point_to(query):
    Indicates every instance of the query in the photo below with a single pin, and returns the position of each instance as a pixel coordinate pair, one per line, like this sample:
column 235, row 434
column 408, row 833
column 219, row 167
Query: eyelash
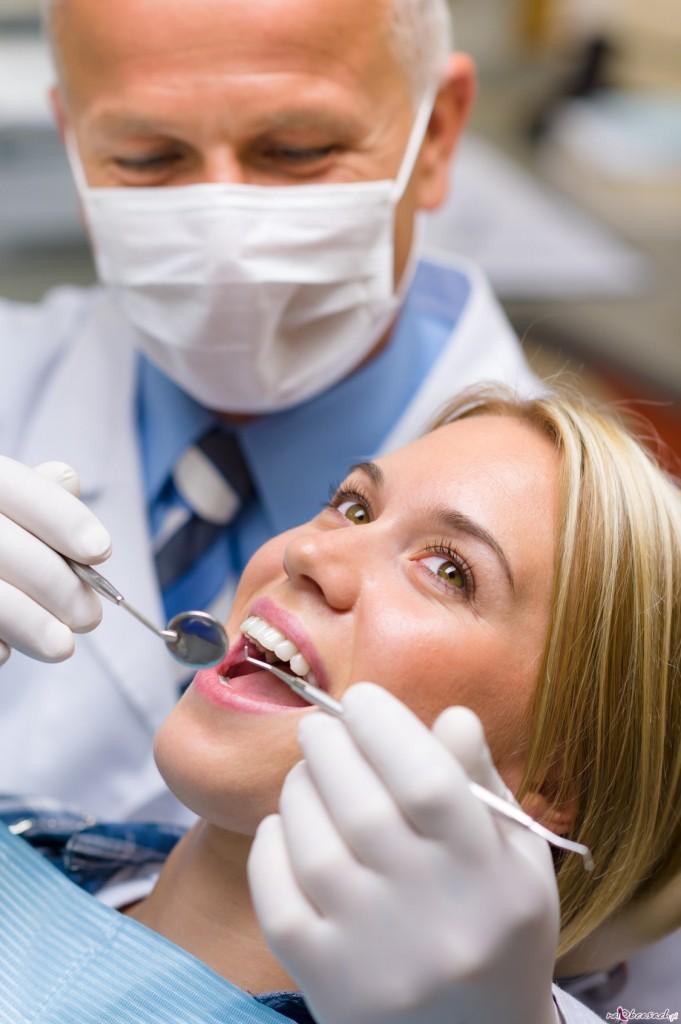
column 337, row 495
column 443, row 547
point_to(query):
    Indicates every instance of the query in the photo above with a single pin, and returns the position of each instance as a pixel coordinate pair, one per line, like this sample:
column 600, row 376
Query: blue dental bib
column 68, row 958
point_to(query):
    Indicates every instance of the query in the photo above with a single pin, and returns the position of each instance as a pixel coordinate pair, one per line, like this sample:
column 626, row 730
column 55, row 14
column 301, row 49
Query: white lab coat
column 82, row 731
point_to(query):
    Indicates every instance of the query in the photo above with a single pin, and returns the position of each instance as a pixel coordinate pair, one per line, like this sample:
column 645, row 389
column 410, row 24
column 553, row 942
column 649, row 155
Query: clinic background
column 567, row 189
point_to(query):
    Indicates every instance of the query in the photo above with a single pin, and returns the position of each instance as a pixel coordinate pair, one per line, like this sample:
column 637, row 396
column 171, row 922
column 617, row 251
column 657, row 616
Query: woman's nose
column 326, row 563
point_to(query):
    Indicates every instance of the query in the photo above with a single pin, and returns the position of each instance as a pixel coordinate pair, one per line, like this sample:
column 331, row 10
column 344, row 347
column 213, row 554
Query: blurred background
column 567, row 189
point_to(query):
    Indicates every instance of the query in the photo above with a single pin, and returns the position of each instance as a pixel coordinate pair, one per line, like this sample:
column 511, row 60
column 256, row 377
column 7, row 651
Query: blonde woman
column 521, row 560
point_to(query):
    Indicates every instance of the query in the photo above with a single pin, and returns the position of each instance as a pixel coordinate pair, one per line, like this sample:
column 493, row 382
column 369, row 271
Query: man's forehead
column 348, row 35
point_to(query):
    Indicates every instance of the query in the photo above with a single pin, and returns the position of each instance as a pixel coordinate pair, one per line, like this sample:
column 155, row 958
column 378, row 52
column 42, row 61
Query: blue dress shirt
column 296, row 456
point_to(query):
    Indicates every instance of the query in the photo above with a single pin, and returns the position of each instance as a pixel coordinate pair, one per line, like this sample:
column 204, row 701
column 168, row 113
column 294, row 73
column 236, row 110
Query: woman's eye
column 447, row 571
column 354, row 511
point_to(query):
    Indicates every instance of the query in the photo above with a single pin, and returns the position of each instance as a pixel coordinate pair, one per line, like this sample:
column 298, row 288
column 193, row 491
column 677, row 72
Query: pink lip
column 209, row 684
column 289, row 625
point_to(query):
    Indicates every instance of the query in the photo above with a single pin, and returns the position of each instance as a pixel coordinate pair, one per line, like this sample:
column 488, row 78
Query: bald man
column 250, row 176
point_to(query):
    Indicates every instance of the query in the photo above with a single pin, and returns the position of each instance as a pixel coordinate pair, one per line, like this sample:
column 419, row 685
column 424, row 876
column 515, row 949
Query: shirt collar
column 315, row 443
column 295, row 456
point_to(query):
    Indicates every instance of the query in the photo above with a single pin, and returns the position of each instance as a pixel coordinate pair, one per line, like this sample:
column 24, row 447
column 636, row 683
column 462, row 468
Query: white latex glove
column 388, row 891
column 42, row 602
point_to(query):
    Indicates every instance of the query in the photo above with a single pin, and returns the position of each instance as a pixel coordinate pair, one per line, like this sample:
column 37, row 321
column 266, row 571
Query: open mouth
column 259, row 639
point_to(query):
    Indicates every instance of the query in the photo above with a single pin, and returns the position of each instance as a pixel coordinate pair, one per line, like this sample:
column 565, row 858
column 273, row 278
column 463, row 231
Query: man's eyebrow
column 452, row 519
column 126, row 120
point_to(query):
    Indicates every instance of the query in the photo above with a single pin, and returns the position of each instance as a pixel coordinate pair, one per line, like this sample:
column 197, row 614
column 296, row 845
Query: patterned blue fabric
column 68, row 957
column 345, row 424
column 90, row 854
column 198, row 543
column 87, row 852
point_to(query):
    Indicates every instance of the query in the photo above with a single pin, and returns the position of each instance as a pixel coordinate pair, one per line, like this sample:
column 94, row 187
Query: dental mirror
column 196, row 639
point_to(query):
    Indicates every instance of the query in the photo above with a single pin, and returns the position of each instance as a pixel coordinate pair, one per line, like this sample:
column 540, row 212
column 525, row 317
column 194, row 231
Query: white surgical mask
column 252, row 298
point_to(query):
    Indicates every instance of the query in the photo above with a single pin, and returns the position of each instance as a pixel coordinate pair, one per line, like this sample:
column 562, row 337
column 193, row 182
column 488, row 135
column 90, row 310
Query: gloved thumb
column 60, row 473
column 460, row 730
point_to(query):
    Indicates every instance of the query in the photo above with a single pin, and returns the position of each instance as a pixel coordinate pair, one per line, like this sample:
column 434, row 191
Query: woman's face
column 430, row 574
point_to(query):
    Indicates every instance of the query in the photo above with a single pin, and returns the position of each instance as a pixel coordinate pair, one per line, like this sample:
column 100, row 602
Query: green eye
column 449, row 572
column 354, row 511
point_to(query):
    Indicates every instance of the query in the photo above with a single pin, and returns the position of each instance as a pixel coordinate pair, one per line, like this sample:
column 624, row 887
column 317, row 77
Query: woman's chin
column 228, row 781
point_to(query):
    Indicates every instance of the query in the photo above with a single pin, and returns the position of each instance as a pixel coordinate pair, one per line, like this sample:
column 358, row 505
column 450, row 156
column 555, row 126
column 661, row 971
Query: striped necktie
column 210, row 483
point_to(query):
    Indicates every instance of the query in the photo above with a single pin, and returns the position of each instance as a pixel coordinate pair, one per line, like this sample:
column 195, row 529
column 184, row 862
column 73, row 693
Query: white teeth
column 257, row 628
column 275, row 644
column 271, row 638
column 299, row 665
column 286, row 650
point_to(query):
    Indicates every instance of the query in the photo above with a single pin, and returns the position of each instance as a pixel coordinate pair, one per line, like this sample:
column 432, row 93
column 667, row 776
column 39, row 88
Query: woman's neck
column 201, row 902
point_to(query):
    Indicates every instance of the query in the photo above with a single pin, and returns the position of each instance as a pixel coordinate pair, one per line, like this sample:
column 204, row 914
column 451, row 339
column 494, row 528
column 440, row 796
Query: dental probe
column 194, row 638
column 305, row 690
column 494, row 802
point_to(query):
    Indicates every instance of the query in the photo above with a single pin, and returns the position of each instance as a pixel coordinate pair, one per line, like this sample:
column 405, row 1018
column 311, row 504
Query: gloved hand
column 388, row 891
column 42, row 602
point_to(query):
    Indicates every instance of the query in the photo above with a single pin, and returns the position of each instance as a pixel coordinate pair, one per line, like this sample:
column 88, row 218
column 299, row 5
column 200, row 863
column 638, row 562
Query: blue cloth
column 91, row 853
column 124, row 974
column 295, row 456
column 88, row 852
column 67, row 958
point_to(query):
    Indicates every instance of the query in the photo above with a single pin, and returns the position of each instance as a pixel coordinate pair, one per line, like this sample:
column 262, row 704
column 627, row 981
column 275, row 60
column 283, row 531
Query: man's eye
column 296, row 155
column 145, row 163
column 354, row 511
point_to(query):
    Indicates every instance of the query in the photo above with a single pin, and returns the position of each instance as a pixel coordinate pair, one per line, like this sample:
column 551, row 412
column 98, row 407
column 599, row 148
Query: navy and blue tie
column 193, row 550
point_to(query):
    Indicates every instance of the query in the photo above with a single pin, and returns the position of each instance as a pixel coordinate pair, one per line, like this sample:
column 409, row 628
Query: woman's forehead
column 481, row 447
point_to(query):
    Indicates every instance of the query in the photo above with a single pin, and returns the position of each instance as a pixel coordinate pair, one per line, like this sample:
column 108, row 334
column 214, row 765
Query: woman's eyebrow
column 450, row 518
column 372, row 470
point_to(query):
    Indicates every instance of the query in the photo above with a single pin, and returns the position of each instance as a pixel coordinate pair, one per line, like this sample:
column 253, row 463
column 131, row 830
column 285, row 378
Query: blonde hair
column 605, row 725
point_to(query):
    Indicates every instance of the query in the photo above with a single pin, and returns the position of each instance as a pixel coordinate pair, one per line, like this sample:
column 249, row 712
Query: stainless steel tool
column 195, row 638
column 494, row 802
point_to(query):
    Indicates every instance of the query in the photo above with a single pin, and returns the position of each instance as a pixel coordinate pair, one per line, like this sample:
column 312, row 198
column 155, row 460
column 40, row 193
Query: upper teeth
column 271, row 639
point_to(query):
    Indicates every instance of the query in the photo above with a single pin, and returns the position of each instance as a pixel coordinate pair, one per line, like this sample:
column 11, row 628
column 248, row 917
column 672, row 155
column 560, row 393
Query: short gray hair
column 421, row 36
column 422, row 40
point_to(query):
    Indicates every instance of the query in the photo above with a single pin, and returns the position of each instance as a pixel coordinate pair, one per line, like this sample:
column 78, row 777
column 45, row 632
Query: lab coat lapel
column 87, row 418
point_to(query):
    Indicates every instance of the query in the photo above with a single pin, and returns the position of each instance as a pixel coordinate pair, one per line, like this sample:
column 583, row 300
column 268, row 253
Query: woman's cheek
column 265, row 566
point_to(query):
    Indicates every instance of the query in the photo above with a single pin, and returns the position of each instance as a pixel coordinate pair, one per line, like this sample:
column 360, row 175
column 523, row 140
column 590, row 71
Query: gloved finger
column 52, row 514
column 461, row 732
column 60, row 473
column 42, row 574
column 325, row 869
column 5, row 652
column 27, row 627
column 286, row 916
column 357, row 800
column 428, row 784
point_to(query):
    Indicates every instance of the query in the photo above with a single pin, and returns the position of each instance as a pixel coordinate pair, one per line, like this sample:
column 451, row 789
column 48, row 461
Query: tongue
column 263, row 686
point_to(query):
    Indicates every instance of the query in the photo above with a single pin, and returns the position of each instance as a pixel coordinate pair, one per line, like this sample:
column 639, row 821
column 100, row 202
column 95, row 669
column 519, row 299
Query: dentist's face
column 429, row 574
column 270, row 92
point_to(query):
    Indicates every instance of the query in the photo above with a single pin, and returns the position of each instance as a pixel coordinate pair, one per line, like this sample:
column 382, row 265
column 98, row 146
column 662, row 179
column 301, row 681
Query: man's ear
column 558, row 817
column 450, row 113
column 58, row 111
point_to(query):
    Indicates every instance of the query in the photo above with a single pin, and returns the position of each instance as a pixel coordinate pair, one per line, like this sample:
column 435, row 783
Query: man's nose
column 327, row 564
column 221, row 166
